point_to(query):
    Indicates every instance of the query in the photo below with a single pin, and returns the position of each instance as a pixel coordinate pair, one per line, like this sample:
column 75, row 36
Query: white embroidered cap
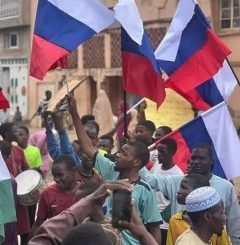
column 201, row 199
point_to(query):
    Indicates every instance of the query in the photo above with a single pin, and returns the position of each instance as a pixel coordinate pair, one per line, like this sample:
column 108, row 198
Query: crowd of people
column 167, row 207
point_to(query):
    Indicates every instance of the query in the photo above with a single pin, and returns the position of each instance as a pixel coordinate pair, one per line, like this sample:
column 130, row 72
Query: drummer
column 60, row 195
column 34, row 160
column 17, row 163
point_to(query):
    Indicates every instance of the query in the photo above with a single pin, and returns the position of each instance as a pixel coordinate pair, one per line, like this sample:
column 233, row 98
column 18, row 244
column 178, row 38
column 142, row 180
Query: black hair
column 170, row 143
column 25, row 129
column 67, row 160
column 204, row 146
column 166, row 129
column 107, row 137
column 141, row 152
column 148, row 125
column 5, row 148
column 197, row 180
column 5, row 129
column 86, row 118
column 94, row 124
column 89, row 233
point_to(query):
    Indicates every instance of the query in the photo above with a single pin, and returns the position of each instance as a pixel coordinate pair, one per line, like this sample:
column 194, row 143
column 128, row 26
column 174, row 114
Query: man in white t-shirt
column 166, row 150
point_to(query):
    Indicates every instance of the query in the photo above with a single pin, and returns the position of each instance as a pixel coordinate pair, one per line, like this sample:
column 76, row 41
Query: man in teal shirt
column 129, row 161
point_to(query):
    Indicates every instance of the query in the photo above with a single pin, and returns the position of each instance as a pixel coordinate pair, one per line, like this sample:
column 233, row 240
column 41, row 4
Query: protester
column 60, row 195
column 31, row 153
column 76, row 214
column 18, row 115
column 166, row 150
column 180, row 221
column 160, row 132
column 39, row 140
column 206, row 211
column 17, row 163
column 33, row 158
column 201, row 162
column 82, row 209
column 84, row 172
column 43, row 104
column 106, row 143
column 132, row 157
column 10, row 229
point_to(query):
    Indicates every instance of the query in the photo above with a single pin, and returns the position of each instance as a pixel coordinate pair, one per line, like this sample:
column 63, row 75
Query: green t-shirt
column 33, row 156
column 142, row 194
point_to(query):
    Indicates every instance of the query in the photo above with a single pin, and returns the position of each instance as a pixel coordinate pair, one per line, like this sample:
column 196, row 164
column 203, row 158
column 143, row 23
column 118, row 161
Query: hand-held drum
column 29, row 187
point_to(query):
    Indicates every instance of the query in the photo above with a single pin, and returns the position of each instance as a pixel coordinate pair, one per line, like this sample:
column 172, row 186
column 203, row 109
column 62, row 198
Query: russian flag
column 141, row 74
column 4, row 104
column 190, row 53
column 214, row 127
column 213, row 91
column 60, row 27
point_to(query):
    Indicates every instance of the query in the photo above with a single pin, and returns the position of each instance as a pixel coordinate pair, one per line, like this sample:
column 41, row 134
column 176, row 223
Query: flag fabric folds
column 213, row 91
column 7, row 205
column 141, row 74
column 4, row 104
column 214, row 127
column 60, row 27
column 190, row 53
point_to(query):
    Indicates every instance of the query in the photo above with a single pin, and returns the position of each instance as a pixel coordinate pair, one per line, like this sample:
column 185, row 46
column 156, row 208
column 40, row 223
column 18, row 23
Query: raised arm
column 83, row 139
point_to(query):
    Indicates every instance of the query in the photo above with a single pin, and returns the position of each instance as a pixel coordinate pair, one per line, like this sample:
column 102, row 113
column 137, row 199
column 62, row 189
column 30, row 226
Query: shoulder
column 144, row 185
column 218, row 181
column 50, row 189
column 186, row 237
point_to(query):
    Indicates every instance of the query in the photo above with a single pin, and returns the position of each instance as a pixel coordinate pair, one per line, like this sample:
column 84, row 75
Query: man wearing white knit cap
column 206, row 211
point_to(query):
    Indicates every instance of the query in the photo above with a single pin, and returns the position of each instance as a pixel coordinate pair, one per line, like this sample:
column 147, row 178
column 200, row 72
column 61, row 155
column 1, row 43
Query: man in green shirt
column 129, row 161
column 32, row 153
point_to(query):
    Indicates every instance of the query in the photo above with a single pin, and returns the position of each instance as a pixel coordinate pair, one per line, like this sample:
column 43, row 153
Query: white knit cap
column 202, row 198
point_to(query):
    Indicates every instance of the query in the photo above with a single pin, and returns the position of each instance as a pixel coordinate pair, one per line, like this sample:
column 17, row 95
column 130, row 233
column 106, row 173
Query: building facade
column 14, row 52
column 100, row 57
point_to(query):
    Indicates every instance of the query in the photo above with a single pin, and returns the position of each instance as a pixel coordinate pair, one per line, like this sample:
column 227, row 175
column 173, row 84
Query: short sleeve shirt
column 53, row 202
column 143, row 196
column 33, row 156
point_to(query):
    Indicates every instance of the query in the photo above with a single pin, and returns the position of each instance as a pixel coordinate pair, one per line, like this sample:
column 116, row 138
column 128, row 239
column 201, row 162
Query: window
column 11, row 40
column 230, row 14
column 9, row 9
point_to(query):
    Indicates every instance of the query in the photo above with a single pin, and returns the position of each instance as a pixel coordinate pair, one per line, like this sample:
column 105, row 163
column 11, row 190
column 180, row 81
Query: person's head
column 8, row 131
column 5, row 149
column 22, row 136
column 132, row 155
column 146, row 129
column 189, row 183
column 205, row 207
column 91, row 128
column 201, row 161
column 17, row 108
column 166, row 150
column 48, row 94
column 106, row 143
column 63, row 171
column 161, row 132
column 88, row 233
column 86, row 118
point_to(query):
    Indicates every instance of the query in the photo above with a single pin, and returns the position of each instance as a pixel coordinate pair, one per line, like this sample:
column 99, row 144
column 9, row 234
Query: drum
column 29, row 187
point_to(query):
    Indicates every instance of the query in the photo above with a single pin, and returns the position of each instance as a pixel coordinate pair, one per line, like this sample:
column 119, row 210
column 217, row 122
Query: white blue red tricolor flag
column 60, row 27
column 214, row 127
column 190, row 53
column 141, row 73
